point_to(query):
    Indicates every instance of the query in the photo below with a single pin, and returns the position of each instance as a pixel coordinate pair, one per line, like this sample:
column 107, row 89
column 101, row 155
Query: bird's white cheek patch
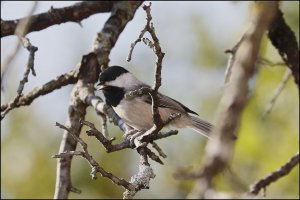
column 126, row 80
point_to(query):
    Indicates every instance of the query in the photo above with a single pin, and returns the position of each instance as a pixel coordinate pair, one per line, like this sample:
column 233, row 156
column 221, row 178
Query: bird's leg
column 133, row 137
column 129, row 133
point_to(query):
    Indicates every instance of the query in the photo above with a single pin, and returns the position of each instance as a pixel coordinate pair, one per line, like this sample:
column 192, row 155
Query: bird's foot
column 134, row 138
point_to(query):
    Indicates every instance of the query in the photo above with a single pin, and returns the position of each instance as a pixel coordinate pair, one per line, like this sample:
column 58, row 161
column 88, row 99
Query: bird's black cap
column 111, row 73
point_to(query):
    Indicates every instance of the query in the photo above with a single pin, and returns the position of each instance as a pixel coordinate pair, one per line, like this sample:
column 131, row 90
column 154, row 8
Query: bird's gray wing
column 168, row 102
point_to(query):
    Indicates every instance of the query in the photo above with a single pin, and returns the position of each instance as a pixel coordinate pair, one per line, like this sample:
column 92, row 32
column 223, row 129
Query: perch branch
column 96, row 168
column 107, row 143
column 122, row 13
column 157, row 121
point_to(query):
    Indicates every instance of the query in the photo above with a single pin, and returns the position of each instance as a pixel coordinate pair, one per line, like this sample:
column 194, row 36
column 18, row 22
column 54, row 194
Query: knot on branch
column 141, row 180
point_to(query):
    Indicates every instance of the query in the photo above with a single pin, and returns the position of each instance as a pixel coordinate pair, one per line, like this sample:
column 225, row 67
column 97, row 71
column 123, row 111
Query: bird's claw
column 134, row 137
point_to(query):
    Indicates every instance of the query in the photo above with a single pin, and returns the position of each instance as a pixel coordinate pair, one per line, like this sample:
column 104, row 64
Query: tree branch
column 277, row 92
column 76, row 111
column 231, row 59
column 29, row 67
column 122, row 13
column 274, row 176
column 220, row 148
column 60, row 81
column 107, row 143
column 74, row 13
column 284, row 40
column 157, row 121
column 96, row 168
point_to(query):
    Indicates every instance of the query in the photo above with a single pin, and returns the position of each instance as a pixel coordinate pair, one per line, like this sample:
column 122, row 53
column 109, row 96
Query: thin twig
column 265, row 61
column 277, row 92
column 25, row 100
column 158, row 52
column 274, row 176
column 107, row 143
column 158, row 149
column 29, row 67
column 231, row 59
column 96, row 168
column 20, row 30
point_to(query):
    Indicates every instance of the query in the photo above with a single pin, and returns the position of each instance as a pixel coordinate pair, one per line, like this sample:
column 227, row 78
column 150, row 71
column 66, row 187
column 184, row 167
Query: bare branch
column 158, row 149
column 277, row 92
column 274, row 176
column 107, row 143
column 122, row 13
column 231, row 59
column 96, row 168
column 74, row 13
column 29, row 67
column 284, row 39
column 141, row 179
column 158, row 52
column 25, row 100
column 108, row 36
column 100, row 107
column 264, row 61
column 20, row 31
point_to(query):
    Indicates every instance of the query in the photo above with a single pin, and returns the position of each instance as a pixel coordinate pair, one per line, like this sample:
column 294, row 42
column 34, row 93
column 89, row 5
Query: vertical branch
column 122, row 13
column 231, row 59
column 284, row 39
column 76, row 111
column 160, row 55
column 220, row 148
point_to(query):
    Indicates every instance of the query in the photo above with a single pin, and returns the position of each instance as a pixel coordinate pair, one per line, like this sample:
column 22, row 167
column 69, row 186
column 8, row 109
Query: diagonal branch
column 107, row 143
column 277, row 92
column 96, row 168
column 60, row 81
column 219, row 149
column 274, row 176
column 74, row 13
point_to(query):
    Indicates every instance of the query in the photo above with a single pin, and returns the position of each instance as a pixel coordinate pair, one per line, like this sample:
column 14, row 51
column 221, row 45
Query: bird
column 116, row 81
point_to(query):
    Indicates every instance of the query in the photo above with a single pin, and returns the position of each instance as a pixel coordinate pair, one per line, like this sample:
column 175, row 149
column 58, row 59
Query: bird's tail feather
column 201, row 126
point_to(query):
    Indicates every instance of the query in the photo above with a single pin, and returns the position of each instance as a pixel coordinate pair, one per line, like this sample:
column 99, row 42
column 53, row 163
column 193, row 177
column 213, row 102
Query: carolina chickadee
column 115, row 81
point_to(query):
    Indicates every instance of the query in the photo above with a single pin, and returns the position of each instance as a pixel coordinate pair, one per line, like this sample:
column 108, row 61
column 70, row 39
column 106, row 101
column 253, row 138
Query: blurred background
column 194, row 36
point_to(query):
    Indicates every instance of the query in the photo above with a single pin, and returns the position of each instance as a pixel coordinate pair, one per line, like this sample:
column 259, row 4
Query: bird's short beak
column 101, row 86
